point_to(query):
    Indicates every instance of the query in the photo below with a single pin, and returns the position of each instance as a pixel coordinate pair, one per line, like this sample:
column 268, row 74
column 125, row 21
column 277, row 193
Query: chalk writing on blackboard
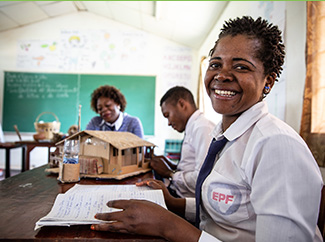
column 37, row 87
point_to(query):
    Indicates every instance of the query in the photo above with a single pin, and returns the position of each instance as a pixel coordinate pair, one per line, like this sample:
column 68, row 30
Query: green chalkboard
column 26, row 95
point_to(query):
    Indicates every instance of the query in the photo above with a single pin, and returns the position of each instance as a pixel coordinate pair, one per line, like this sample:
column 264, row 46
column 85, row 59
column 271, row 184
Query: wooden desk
column 30, row 145
column 30, row 195
column 8, row 146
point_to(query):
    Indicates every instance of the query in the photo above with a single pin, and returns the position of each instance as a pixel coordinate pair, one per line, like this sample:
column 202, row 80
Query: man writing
column 178, row 106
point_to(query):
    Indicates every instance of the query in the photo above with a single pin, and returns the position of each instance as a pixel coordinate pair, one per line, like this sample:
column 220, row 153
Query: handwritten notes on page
column 80, row 204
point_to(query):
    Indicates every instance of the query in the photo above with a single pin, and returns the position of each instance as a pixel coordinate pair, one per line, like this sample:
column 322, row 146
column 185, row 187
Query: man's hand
column 160, row 166
column 176, row 205
column 156, row 184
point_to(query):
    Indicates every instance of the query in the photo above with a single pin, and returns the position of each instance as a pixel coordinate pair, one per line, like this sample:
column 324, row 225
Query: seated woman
column 110, row 104
column 263, row 183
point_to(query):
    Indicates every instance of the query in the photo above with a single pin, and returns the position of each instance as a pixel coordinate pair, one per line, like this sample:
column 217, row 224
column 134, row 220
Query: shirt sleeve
column 91, row 125
column 205, row 237
column 286, row 205
column 185, row 180
column 137, row 128
column 274, row 228
column 190, row 216
column 190, row 213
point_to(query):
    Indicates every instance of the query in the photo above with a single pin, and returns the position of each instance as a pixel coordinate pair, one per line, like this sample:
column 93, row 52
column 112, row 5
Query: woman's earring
column 266, row 90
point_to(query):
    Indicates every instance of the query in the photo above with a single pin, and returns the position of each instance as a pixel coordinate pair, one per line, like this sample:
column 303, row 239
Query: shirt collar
column 117, row 123
column 243, row 122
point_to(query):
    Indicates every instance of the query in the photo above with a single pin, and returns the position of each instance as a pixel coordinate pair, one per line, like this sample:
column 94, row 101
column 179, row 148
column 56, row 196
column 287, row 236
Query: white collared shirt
column 265, row 185
column 117, row 123
column 194, row 149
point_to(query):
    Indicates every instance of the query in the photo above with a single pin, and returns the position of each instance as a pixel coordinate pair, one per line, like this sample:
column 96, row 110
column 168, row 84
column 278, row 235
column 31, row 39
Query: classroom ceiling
column 184, row 22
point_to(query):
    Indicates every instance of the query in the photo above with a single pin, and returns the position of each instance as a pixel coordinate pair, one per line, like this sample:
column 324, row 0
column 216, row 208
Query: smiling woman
column 235, row 79
column 110, row 104
column 255, row 189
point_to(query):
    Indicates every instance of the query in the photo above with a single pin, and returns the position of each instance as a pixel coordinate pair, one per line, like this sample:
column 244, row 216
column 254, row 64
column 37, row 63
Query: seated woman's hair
column 110, row 92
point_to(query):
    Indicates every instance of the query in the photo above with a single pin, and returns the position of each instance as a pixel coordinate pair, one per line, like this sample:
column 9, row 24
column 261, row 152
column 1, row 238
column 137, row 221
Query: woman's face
column 108, row 109
column 235, row 78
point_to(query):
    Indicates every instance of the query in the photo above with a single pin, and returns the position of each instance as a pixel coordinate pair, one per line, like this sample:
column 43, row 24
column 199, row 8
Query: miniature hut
column 113, row 154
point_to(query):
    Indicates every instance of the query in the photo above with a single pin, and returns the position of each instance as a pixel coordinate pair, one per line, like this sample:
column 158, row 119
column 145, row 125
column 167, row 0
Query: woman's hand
column 146, row 218
column 137, row 217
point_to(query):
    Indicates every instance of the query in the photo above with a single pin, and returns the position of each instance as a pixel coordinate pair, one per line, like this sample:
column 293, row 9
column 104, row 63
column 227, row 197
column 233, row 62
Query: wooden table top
column 34, row 142
column 10, row 145
column 27, row 197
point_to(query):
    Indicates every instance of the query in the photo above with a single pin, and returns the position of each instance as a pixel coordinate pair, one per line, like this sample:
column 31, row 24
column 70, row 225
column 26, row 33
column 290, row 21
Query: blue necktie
column 107, row 127
column 206, row 168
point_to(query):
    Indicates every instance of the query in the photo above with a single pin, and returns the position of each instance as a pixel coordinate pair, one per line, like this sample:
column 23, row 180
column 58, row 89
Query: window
column 115, row 152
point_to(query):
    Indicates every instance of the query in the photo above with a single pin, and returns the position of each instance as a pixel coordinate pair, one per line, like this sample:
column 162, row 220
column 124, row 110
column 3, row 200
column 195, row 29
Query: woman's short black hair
column 271, row 51
column 110, row 92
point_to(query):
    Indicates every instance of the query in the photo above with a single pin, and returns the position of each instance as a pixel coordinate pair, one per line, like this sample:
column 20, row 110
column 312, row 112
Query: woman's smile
column 223, row 94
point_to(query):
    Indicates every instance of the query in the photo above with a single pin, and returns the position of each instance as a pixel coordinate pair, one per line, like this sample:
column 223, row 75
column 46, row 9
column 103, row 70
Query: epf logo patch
column 224, row 198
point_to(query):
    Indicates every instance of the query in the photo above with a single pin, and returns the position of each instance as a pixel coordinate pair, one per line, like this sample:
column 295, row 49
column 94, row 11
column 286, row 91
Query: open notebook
column 80, row 204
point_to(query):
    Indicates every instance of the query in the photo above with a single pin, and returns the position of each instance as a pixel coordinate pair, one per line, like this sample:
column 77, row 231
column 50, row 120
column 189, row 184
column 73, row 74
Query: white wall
column 285, row 100
column 156, row 50
column 296, row 65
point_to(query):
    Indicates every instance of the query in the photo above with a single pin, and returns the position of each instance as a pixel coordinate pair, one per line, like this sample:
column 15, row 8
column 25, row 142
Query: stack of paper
column 80, row 204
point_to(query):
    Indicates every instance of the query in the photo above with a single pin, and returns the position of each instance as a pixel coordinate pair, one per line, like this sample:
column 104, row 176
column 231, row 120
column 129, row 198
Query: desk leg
column 7, row 163
column 49, row 155
column 23, row 158
column 28, row 150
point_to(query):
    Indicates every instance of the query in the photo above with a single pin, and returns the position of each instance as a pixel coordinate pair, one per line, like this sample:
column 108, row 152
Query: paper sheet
column 106, row 188
column 80, row 204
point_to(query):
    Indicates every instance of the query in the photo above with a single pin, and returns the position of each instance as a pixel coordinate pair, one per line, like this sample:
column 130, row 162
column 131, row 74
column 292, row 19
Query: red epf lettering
column 221, row 197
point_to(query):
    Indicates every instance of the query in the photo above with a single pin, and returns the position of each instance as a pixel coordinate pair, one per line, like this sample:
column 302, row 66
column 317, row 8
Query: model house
column 111, row 154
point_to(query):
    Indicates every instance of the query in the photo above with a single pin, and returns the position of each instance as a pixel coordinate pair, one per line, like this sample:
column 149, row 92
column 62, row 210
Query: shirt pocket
column 225, row 200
